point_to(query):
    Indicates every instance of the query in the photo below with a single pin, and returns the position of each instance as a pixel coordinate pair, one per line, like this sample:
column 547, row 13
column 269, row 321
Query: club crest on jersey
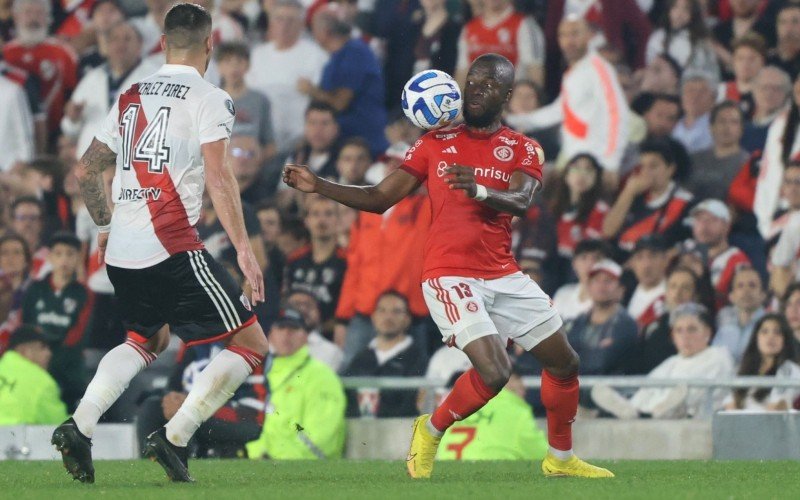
column 472, row 307
column 503, row 153
column 229, row 106
column 441, row 169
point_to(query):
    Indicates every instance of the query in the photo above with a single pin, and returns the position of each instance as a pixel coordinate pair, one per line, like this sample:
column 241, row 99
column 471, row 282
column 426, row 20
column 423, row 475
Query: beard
column 478, row 121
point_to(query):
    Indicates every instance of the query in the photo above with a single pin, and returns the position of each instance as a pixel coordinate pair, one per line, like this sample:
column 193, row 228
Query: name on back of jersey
column 164, row 89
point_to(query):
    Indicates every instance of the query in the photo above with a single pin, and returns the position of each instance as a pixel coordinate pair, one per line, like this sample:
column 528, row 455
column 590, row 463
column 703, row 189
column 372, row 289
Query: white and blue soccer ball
column 431, row 99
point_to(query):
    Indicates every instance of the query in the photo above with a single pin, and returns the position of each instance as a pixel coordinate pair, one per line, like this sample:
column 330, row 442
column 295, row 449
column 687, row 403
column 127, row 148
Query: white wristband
column 104, row 229
column 480, row 193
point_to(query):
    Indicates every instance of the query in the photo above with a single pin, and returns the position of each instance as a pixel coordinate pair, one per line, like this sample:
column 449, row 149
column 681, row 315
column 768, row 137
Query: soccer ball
column 431, row 99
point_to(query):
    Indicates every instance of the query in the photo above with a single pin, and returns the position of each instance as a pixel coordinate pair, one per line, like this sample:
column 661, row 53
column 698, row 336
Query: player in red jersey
column 479, row 175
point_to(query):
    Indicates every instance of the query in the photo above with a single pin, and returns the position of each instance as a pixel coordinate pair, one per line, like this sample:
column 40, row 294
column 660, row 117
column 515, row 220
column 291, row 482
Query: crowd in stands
column 667, row 232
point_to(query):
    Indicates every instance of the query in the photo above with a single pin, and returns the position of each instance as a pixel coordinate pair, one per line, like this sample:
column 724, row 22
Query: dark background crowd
column 673, row 180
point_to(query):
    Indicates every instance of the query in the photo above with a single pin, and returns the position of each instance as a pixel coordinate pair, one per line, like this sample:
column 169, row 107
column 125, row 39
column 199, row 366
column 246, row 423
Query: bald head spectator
column 52, row 61
column 499, row 28
column 298, row 58
column 605, row 336
column 715, row 168
column 786, row 53
column 591, row 108
column 698, row 94
column 100, row 88
column 351, row 81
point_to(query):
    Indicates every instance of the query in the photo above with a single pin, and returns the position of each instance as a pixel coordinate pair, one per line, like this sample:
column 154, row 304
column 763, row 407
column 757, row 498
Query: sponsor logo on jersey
column 503, row 153
column 446, row 136
column 441, row 169
column 507, row 141
column 451, row 150
column 229, row 105
column 493, row 173
column 138, row 194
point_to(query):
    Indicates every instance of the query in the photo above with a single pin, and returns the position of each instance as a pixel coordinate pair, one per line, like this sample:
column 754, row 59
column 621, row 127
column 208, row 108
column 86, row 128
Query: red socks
column 560, row 399
column 469, row 395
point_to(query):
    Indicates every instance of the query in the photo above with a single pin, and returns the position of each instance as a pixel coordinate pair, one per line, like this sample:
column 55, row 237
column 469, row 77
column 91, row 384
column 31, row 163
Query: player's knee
column 496, row 377
column 567, row 366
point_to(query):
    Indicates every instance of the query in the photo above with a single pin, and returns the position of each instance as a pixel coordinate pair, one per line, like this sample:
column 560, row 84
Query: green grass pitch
column 375, row 480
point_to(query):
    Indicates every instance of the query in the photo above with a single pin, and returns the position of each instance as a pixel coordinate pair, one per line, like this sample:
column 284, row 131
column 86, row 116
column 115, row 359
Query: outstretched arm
column 376, row 199
column 516, row 200
column 224, row 193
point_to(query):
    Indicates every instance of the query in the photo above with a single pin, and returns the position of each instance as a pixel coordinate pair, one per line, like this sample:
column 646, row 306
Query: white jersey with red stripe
column 156, row 129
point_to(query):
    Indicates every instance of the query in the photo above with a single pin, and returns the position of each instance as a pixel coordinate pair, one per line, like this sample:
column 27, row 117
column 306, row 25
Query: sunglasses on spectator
column 243, row 153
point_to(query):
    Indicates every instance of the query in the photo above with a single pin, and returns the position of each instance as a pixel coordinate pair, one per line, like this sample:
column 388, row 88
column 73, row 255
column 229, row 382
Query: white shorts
column 512, row 306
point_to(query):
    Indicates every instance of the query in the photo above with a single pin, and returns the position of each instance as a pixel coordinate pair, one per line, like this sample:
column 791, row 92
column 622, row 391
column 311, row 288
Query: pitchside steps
column 735, row 436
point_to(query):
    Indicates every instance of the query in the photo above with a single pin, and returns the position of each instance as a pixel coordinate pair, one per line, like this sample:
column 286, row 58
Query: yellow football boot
column 419, row 462
column 574, row 467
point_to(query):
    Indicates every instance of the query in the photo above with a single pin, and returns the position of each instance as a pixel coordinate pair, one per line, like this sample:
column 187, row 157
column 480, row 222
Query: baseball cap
column 606, row 266
column 653, row 242
column 65, row 238
column 715, row 207
column 29, row 333
column 290, row 318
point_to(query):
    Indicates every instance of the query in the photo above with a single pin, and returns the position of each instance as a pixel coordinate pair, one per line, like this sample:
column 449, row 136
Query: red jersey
column 500, row 39
column 55, row 65
column 571, row 232
column 468, row 238
column 722, row 269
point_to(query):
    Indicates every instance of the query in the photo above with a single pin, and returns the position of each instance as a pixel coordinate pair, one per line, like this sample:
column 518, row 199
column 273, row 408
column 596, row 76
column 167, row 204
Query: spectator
column 306, row 402
column 351, row 80
column 770, row 353
column 319, row 347
column 392, row 353
column 717, row 166
column 436, row 41
column 660, row 114
column 271, row 223
column 683, row 34
column 244, row 155
column 651, row 201
column 253, row 109
column 783, row 146
column 591, row 107
column 319, row 267
column 88, row 106
column 104, row 15
column 292, row 237
column 527, row 97
column 787, row 249
column 225, row 434
column 506, row 427
column 151, row 25
column 216, row 240
column 691, row 332
column 698, row 94
column 27, row 221
column 16, row 121
column 749, row 57
column 577, row 204
column 604, row 337
column 60, row 305
column 736, row 322
column 15, row 263
column 748, row 18
column 353, row 161
column 28, row 394
column 499, row 28
column 298, row 58
column 43, row 178
column 711, row 225
column 786, row 51
column 319, row 147
column 53, row 62
column 620, row 25
column 771, row 89
column 574, row 299
column 655, row 340
column 649, row 265
column 662, row 75
column 385, row 253
column 791, row 309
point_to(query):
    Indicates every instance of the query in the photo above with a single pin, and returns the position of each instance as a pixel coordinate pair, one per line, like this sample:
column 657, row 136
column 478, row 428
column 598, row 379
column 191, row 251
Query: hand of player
column 102, row 243
column 300, row 177
column 252, row 274
column 304, row 86
column 460, row 177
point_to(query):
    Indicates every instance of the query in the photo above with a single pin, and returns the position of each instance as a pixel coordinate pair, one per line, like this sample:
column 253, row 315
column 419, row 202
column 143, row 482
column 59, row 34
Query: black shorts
column 189, row 291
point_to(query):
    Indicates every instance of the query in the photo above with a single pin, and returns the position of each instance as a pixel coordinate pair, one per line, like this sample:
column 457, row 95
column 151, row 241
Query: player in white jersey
column 167, row 136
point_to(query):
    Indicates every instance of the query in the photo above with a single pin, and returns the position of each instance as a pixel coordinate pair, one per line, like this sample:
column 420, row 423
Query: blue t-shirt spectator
column 355, row 67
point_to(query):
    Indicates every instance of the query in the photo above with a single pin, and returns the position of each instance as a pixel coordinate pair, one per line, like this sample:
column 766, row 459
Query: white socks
column 561, row 454
column 114, row 373
column 212, row 388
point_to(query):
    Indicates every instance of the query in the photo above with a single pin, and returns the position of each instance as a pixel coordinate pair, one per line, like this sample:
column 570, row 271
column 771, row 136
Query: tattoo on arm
column 90, row 177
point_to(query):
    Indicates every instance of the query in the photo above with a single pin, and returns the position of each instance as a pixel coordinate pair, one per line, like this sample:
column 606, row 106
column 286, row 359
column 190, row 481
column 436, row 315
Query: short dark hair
column 65, row 238
column 659, row 146
column 645, row 101
column 742, row 268
column 359, row 142
column 187, row 25
column 295, row 227
column 27, row 200
column 396, row 294
column 592, row 246
column 320, row 106
column 232, row 49
column 727, row 104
